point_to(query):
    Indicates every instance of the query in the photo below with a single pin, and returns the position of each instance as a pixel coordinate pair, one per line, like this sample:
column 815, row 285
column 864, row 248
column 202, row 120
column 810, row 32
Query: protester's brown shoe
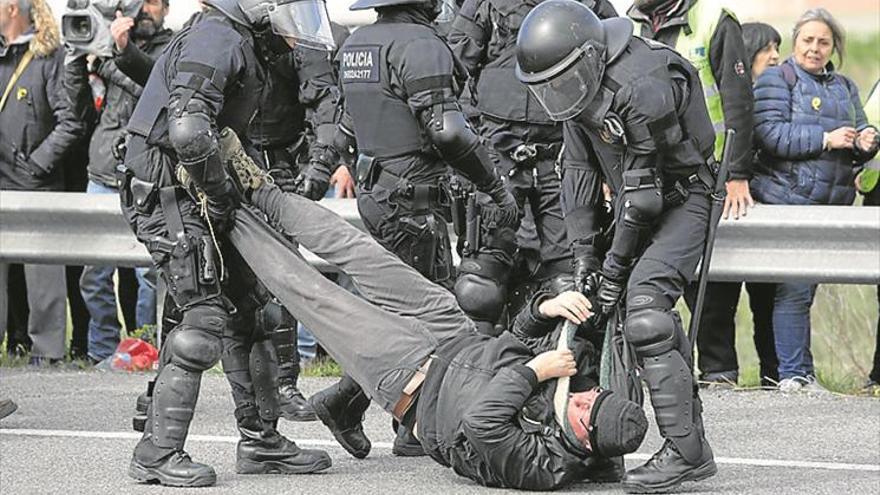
column 246, row 174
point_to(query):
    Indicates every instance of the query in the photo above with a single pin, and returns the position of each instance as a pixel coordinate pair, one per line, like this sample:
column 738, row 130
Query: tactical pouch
column 425, row 246
column 366, row 171
column 143, row 194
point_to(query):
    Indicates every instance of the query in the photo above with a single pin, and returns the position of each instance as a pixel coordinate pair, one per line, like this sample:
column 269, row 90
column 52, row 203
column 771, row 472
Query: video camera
column 85, row 24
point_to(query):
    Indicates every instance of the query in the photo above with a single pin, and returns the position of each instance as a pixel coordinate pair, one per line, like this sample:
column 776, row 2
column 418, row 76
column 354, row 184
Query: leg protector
column 662, row 345
column 264, row 373
column 280, row 325
column 192, row 348
column 481, row 287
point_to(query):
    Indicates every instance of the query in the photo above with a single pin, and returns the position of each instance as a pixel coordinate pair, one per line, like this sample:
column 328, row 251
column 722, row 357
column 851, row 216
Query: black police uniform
column 524, row 141
column 650, row 134
column 194, row 90
column 399, row 79
column 295, row 125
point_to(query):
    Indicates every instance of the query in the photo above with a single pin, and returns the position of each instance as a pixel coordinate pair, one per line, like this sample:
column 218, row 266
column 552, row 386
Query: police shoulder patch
column 360, row 63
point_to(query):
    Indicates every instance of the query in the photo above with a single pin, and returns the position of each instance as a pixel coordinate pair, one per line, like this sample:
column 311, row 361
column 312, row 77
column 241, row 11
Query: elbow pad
column 459, row 146
column 192, row 138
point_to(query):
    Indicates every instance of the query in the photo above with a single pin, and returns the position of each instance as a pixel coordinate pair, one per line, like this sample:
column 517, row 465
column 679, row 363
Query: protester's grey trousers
column 380, row 340
column 47, row 300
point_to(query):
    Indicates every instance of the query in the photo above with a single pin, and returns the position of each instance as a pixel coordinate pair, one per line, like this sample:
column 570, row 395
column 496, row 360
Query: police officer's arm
column 426, row 74
column 319, row 94
column 68, row 128
column 520, row 460
column 208, row 62
column 134, row 63
column 469, row 35
column 581, row 198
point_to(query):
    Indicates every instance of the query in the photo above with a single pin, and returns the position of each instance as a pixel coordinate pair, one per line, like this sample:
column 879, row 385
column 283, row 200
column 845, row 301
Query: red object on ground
column 134, row 355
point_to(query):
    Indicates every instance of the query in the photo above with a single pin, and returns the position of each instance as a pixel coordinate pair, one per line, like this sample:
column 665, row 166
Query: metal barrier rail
column 828, row 244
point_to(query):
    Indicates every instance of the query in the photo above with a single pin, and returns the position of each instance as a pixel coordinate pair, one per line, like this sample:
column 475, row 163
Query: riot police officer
column 293, row 131
column 209, row 78
column 635, row 117
column 400, row 83
column 524, row 143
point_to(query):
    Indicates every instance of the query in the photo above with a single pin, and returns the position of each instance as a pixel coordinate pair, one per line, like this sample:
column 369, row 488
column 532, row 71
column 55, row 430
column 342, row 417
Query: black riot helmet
column 433, row 6
column 561, row 53
column 304, row 21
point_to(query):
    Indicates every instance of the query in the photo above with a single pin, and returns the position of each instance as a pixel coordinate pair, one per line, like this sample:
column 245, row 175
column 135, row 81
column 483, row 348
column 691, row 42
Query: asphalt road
column 71, row 435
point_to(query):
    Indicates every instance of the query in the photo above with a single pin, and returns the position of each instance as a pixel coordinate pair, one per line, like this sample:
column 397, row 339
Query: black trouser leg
column 79, row 314
column 716, row 340
column 875, row 370
column 761, row 297
column 128, row 297
column 18, row 341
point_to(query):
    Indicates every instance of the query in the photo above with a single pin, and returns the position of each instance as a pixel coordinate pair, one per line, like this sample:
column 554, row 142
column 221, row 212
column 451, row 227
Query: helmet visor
column 305, row 21
column 567, row 94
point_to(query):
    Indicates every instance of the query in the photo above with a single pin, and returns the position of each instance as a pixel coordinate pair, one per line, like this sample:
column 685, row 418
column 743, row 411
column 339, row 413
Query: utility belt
column 370, row 173
column 527, row 154
column 677, row 193
column 411, row 391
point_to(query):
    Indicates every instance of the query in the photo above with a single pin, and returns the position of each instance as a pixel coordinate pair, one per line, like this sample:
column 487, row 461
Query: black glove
column 607, row 293
column 30, row 166
column 284, row 178
column 313, row 181
column 221, row 213
column 505, row 213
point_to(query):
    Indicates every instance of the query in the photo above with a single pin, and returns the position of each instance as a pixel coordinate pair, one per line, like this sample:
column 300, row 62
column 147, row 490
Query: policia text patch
column 360, row 64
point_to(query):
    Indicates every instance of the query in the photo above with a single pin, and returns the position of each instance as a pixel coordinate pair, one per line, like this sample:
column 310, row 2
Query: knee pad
column 196, row 345
column 652, row 331
column 481, row 288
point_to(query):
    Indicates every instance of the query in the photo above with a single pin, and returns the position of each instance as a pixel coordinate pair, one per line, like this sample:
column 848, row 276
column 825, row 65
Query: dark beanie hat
column 619, row 425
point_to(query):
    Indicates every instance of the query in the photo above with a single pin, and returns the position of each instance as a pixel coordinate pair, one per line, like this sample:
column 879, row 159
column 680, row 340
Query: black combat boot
column 405, row 443
column 680, row 459
column 175, row 469
column 294, row 406
column 262, row 450
column 341, row 408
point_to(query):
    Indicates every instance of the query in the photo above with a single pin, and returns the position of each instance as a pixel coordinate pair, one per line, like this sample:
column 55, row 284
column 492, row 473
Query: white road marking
column 313, row 442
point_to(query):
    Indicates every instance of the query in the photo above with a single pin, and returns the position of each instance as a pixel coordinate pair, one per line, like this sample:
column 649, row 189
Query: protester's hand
column 120, row 29
column 341, row 178
column 867, row 139
column 571, row 305
column 553, row 364
column 739, row 199
column 842, row 138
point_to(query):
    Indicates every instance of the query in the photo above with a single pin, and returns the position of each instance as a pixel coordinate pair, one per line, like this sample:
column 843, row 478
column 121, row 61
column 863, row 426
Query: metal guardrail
column 827, row 244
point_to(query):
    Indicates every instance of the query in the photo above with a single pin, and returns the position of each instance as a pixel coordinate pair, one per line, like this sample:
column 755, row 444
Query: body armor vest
column 609, row 134
column 241, row 96
column 384, row 125
column 499, row 93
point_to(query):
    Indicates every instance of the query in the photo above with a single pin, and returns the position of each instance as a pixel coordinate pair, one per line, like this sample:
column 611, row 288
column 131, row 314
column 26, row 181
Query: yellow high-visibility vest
column 702, row 20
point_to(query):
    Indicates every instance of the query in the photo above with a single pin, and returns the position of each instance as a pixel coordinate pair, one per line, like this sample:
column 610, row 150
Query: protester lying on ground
column 466, row 395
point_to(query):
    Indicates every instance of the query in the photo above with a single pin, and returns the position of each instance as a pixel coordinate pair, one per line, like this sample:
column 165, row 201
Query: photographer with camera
column 133, row 31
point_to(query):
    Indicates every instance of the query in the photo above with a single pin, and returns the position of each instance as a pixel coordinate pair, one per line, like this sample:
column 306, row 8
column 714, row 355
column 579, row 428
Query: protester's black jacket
column 482, row 412
column 124, row 76
column 37, row 127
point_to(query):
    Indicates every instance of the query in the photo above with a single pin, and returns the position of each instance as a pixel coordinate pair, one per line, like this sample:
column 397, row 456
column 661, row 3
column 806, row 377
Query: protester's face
column 580, row 405
column 767, row 57
column 151, row 18
column 813, row 46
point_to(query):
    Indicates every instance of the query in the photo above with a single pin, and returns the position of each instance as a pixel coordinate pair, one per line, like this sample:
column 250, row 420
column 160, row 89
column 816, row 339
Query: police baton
column 719, row 194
